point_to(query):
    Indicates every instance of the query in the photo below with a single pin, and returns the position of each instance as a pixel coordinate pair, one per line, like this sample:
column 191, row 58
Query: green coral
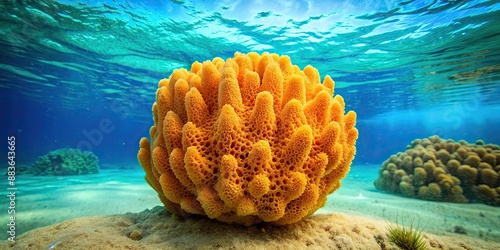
column 65, row 161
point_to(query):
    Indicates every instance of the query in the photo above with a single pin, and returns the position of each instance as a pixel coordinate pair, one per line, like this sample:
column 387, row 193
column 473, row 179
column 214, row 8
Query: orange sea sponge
column 249, row 139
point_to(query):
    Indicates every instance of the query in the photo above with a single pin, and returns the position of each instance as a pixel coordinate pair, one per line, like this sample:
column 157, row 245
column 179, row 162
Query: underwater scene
column 188, row 124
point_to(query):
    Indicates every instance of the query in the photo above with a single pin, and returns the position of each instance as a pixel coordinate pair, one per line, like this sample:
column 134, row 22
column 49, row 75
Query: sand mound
column 158, row 229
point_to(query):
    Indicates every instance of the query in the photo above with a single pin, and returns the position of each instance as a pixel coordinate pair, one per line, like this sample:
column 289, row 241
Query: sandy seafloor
column 116, row 209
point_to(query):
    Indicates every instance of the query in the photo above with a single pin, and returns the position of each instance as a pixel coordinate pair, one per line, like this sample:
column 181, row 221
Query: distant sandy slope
column 158, row 229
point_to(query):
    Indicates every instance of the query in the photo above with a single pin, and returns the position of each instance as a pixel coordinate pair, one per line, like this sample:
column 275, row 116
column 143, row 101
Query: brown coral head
column 467, row 174
column 444, row 170
column 430, row 192
column 489, row 177
column 248, row 139
column 443, row 155
column 473, row 160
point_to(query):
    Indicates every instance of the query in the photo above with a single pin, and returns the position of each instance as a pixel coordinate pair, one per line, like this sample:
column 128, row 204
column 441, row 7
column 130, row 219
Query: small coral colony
column 256, row 139
column 444, row 170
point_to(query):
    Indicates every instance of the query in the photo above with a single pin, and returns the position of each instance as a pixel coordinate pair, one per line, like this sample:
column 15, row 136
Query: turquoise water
column 430, row 67
column 410, row 69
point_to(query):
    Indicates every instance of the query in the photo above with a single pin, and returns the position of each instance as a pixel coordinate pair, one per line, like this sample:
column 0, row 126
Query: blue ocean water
column 83, row 74
column 410, row 69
